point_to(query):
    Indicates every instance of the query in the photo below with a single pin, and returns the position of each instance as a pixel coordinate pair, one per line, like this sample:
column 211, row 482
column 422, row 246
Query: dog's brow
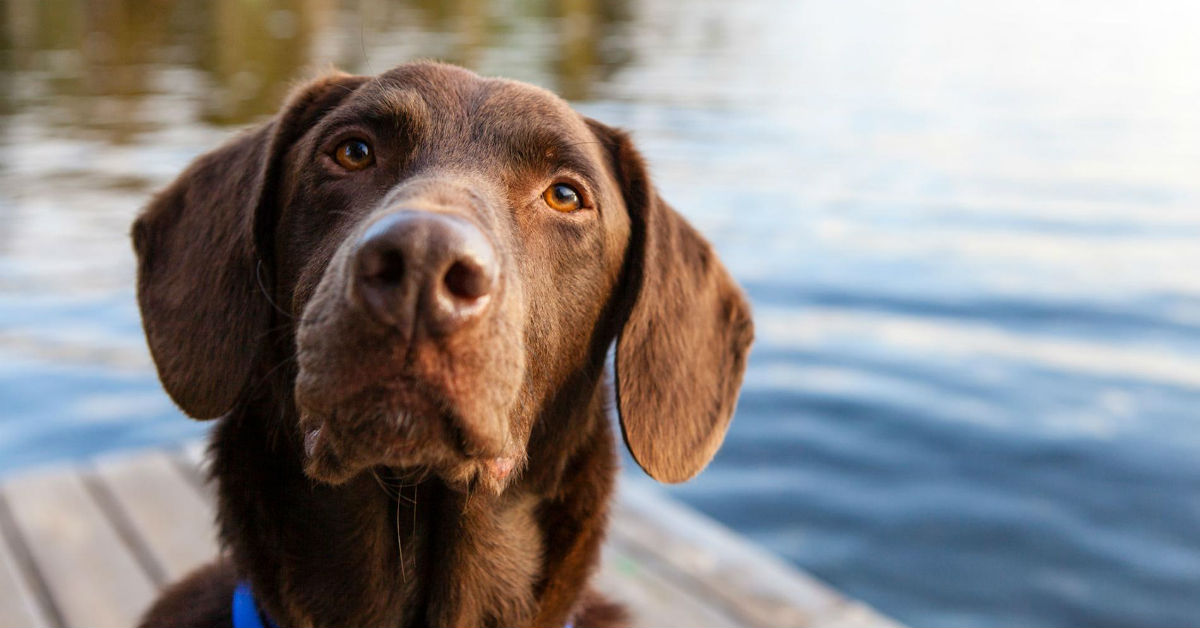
column 548, row 149
column 403, row 108
column 401, row 104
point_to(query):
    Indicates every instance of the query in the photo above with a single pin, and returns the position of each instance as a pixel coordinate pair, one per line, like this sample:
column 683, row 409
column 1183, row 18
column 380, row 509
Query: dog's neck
column 379, row 551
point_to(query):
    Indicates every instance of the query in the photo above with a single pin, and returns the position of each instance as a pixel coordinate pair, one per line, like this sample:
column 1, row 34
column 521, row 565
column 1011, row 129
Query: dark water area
column 971, row 234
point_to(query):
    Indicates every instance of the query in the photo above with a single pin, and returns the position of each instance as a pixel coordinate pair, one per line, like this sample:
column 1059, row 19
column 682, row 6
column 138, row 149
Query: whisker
column 400, row 546
column 266, row 295
column 382, row 484
column 266, row 378
column 263, row 289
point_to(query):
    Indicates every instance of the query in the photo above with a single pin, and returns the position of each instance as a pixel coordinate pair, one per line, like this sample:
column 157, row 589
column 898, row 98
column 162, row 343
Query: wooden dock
column 91, row 544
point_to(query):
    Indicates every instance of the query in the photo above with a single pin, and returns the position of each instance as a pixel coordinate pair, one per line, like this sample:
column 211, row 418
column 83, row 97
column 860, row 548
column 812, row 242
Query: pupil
column 356, row 151
column 564, row 194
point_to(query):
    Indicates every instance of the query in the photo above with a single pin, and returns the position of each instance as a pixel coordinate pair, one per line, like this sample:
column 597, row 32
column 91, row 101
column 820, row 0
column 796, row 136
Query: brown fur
column 391, row 470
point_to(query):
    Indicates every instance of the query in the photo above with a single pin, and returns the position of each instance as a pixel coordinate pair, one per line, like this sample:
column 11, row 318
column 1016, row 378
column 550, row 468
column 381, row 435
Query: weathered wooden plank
column 91, row 574
column 164, row 508
column 18, row 604
column 756, row 587
column 652, row 599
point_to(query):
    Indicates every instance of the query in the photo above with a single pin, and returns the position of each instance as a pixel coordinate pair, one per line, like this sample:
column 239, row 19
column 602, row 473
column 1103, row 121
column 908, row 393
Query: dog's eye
column 562, row 197
column 354, row 155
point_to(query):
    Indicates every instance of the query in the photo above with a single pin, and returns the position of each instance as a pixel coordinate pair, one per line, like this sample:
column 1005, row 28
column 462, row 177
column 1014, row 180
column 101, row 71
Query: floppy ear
column 681, row 352
column 203, row 310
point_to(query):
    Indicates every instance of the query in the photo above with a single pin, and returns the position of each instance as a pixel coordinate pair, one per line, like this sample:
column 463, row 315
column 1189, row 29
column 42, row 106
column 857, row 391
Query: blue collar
column 245, row 610
column 247, row 615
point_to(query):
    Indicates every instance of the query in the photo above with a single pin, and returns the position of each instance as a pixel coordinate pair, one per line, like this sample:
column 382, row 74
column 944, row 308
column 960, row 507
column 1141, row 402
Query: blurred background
column 971, row 232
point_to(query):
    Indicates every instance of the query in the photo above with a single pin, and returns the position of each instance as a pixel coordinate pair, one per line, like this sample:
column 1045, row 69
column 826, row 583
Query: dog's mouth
column 404, row 427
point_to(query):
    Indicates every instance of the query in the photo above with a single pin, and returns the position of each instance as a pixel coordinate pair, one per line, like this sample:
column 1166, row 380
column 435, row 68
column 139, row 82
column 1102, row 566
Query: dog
column 398, row 295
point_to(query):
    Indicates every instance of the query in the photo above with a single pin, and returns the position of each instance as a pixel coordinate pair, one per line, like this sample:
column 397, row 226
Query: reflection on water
column 970, row 232
column 100, row 63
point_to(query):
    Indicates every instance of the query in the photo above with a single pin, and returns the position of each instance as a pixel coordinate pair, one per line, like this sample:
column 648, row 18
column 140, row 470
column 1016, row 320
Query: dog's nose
column 435, row 270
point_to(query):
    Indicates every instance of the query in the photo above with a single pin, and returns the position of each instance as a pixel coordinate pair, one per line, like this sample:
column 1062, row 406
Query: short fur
column 373, row 473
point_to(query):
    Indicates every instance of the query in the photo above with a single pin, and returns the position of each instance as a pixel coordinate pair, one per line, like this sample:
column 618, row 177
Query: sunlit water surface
column 971, row 232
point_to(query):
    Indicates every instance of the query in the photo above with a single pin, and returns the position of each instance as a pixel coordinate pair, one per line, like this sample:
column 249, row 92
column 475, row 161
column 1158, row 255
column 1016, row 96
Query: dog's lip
column 316, row 428
column 401, row 444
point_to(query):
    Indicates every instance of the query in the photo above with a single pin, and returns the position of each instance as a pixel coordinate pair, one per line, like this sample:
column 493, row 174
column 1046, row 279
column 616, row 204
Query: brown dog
column 398, row 295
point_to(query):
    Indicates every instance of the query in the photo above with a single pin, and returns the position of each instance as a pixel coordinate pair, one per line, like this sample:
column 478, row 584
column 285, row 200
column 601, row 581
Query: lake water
column 971, row 232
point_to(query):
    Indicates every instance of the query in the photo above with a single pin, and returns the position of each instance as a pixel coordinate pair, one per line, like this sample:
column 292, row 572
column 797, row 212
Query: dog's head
column 444, row 253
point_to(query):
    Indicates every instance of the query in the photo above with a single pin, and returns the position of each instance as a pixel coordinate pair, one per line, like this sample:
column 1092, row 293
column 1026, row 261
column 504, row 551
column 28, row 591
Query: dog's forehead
column 522, row 103
column 443, row 98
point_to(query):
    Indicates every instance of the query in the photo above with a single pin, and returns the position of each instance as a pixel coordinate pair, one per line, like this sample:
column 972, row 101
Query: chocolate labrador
column 398, row 295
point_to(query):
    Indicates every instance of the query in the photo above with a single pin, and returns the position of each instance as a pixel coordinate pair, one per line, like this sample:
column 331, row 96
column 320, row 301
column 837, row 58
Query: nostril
column 384, row 267
column 423, row 271
column 465, row 280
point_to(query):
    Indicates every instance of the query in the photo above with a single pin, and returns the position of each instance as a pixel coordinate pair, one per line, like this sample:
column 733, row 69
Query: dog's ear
column 681, row 351
column 203, row 309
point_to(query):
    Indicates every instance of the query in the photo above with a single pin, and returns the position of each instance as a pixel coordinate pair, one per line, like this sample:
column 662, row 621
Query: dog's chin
column 325, row 463
column 377, row 429
column 334, row 458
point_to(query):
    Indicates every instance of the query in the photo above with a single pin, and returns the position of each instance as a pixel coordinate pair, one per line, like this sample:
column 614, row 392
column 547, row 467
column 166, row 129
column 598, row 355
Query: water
column 971, row 234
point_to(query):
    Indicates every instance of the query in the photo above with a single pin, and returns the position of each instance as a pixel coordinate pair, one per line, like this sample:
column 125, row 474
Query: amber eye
column 354, row 155
column 562, row 197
